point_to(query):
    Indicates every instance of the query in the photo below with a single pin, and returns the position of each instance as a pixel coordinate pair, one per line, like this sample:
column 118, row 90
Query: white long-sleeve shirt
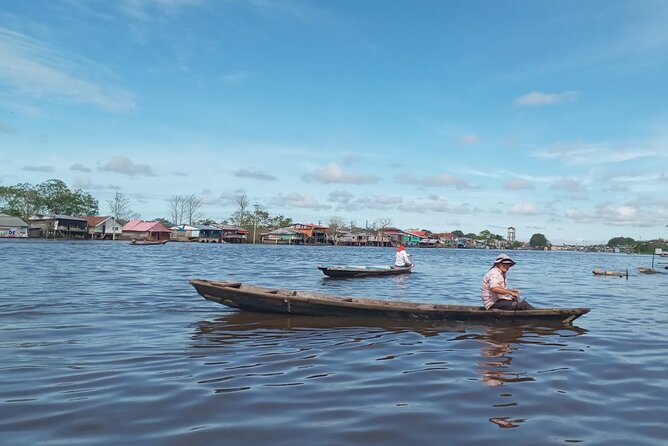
column 402, row 259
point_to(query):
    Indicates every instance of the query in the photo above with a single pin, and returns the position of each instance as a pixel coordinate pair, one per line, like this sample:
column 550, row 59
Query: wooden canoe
column 148, row 242
column 272, row 300
column 364, row 271
column 603, row 272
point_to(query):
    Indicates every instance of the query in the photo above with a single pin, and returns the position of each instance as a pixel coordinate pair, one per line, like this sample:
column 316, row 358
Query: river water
column 104, row 343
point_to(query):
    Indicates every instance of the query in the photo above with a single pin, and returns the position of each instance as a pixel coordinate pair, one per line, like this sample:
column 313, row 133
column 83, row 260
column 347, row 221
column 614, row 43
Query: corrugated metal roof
column 144, row 226
column 12, row 222
column 95, row 221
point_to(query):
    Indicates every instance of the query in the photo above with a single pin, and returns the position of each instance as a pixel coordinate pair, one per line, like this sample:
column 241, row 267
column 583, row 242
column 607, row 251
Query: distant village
column 106, row 228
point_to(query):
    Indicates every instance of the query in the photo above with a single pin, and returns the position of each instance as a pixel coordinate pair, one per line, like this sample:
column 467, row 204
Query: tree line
column 25, row 200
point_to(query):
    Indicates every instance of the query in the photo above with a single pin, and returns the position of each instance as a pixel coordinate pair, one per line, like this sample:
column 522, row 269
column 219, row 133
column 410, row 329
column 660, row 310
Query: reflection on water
column 499, row 342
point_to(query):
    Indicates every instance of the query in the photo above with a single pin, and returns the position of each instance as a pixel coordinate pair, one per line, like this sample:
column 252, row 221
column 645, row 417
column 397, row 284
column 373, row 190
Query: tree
column 53, row 196
column 57, row 198
column 538, row 241
column 335, row 223
column 191, row 206
column 21, row 200
column 621, row 241
column 381, row 224
column 119, row 206
column 458, row 233
column 176, row 209
column 120, row 209
column 241, row 216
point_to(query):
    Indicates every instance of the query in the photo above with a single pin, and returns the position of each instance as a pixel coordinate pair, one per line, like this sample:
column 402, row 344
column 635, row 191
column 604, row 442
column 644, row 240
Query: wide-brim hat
column 504, row 258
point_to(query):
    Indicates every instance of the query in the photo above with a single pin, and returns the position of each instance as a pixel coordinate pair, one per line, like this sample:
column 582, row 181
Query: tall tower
column 511, row 235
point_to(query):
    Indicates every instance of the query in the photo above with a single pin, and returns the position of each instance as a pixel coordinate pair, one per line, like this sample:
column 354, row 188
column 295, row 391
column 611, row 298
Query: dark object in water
column 148, row 242
column 364, row 271
column 603, row 272
column 272, row 300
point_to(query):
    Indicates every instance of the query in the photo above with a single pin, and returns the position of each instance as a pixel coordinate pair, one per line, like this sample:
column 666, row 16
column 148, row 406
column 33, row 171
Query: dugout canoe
column 272, row 300
column 148, row 242
column 363, row 271
column 603, row 272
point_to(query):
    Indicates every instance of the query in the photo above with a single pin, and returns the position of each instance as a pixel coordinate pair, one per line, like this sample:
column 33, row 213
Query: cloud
column 4, row 128
column 237, row 77
column 35, row 69
column 524, row 209
column 582, row 153
column 254, row 174
column 469, row 140
column 537, row 98
column 569, row 185
column 434, row 203
column 443, row 179
column 87, row 184
column 517, row 184
column 150, row 9
column 340, row 196
column 229, row 198
column 80, row 168
column 295, row 200
column 45, row 169
column 332, row 173
column 125, row 166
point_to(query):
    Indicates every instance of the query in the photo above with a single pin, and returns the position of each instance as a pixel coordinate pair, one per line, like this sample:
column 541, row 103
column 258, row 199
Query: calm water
column 103, row 343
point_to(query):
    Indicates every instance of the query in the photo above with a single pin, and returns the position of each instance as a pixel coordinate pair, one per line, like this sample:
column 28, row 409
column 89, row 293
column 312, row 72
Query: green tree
column 458, row 233
column 21, row 200
column 50, row 197
column 57, row 198
column 538, row 241
column 621, row 241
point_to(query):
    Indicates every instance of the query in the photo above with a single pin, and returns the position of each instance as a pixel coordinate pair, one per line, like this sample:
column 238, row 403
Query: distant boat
column 364, row 271
column 273, row 300
column 148, row 242
column 603, row 272
column 646, row 270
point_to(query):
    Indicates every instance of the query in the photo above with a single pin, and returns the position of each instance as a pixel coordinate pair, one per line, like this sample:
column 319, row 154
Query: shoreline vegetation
column 44, row 209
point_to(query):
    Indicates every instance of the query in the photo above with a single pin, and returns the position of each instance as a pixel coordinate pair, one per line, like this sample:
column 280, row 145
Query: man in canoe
column 402, row 259
column 495, row 292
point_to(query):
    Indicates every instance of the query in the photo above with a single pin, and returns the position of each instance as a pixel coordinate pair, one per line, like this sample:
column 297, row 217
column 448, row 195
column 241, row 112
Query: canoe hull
column 268, row 300
column 148, row 242
column 363, row 271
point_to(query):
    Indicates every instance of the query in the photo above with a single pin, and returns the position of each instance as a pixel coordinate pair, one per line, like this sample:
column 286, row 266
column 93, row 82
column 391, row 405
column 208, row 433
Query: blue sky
column 551, row 117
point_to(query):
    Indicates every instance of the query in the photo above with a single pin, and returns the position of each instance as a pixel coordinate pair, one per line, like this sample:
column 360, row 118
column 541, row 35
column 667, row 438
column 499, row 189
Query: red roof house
column 146, row 230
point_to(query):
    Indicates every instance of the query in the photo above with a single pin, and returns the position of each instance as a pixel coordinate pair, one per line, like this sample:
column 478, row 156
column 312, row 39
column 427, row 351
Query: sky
column 550, row 117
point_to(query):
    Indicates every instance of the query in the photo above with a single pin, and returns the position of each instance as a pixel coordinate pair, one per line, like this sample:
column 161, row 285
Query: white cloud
column 149, row 9
column 87, row 184
column 254, row 174
column 45, row 169
column 537, row 98
column 81, row 168
column 524, row 209
column 333, row 173
column 518, row 184
column 443, row 179
column 125, row 166
column 35, row 69
column 469, row 139
column 569, row 185
column 295, row 200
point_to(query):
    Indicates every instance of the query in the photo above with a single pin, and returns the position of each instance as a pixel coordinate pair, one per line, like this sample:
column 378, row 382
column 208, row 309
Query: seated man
column 495, row 294
column 402, row 259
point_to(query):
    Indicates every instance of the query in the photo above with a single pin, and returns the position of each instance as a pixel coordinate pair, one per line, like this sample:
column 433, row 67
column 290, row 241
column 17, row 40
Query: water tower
column 511, row 235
